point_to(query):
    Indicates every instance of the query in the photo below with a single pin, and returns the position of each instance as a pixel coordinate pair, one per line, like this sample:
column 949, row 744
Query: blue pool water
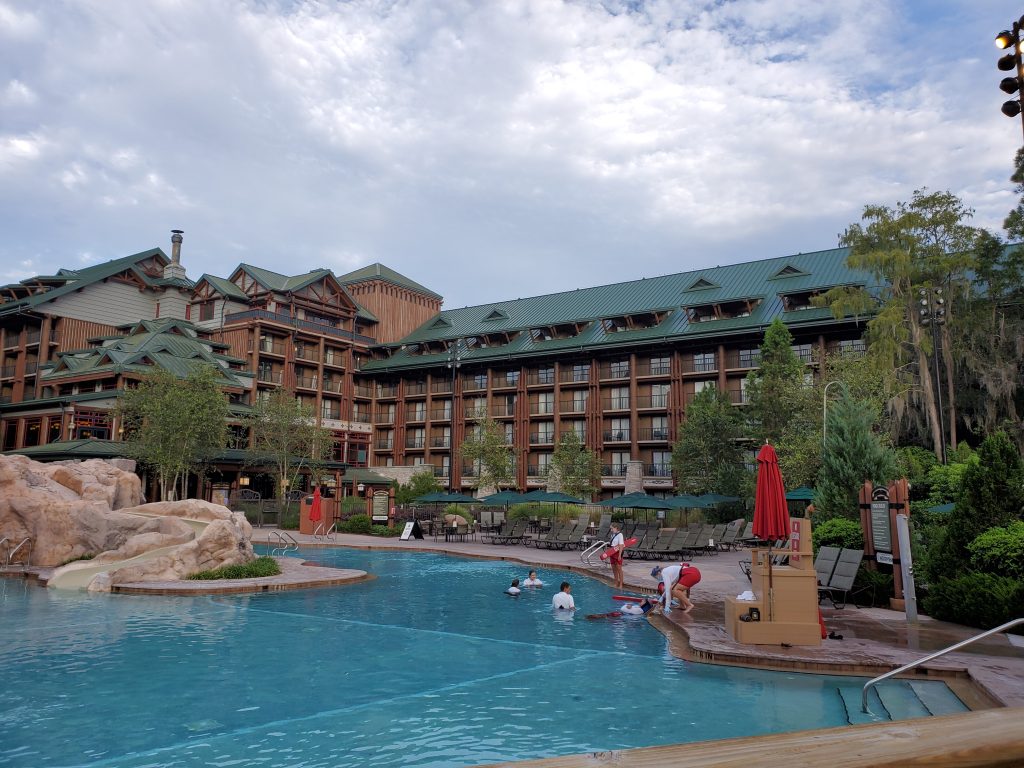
column 430, row 664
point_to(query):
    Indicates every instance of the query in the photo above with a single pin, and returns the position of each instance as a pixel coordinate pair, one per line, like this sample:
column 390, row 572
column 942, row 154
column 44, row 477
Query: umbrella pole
column 771, row 586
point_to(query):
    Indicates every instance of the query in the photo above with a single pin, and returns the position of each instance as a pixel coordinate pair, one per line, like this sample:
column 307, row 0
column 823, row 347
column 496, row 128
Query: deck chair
column 659, row 548
column 747, row 538
column 842, row 578
column 496, row 537
column 517, row 532
column 825, row 564
column 575, row 538
column 550, row 539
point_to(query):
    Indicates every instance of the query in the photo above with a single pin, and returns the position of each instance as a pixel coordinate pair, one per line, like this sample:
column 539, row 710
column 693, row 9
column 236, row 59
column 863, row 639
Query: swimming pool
column 428, row 665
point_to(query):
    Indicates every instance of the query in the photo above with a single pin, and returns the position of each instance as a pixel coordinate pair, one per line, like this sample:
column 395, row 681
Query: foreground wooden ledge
column 993, row 738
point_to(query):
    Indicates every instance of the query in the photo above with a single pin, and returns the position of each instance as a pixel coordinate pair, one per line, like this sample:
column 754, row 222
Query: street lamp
column 824, row 411
column 454, row 362
column 1011, row 62
column 933, row 313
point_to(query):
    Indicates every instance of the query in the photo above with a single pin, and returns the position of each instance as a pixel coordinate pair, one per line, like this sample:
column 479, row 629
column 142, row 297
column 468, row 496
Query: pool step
column 900, row 700
column 851, row 700
column 937, row 697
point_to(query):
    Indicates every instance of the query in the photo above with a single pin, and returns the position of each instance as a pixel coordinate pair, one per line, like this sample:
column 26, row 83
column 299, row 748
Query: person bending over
column 676, row 582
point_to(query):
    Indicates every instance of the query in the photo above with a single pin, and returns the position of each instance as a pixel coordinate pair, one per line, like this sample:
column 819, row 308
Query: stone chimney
column 174, row 269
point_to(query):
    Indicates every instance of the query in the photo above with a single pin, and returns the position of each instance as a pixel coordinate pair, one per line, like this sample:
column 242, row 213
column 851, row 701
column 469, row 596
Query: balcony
column 542, row 409
column 620, row 403
column 737, row 397
column 413, row 388
column 613, row 470
column 293, row 322
column 416, row 415
column 268, row 347
column 474, row 383
column 362, row 390
column 4, row 399
column 743, row 358
column 439, row 471
column 652, row 401
column 574, row 375
column 333, row 385
column 615, row 371
column 334, row 414
column 441, row 387
column 268, row 377
column 572, row 406
column 652, row 368
column 581, row 435
column 334, row 358
column 384, row 417
column 387, row 390
column 440, row 441
column 32, row 337
column 305, row 382
column 415, row 442
column 653, row 434
column 440, row 414
column 31, row 367
column 657, row 470
column 506, row 380
column 542, row 438
column 541, row 378
column 386, row 444
column 473, row 410
column 307, row 353
column 534, row 470
column 503, row 409
column 360, row 416
column 615, row 435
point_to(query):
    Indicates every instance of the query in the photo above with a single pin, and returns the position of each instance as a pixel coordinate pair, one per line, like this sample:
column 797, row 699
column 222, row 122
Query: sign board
column 884, row 557
column 881, row 530
column 407, row 531
column 381, row 506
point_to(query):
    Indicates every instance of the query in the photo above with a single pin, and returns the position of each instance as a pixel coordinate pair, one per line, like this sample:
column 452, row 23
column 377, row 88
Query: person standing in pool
column 532, row 580
column 562, row 601
column 615, row 547
column 514, row 589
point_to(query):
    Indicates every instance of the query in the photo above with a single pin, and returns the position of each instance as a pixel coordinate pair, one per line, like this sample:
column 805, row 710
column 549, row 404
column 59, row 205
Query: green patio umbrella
column 803, row 493
column 716, row 498
column 429, row 498
column 637, row 500
column 687, row 502
column 942, row 508
column 502, row 497
column 456, row 498
column 555, row 497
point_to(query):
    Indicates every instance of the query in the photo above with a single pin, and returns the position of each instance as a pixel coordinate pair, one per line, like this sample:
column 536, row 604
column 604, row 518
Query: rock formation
column 72, row 510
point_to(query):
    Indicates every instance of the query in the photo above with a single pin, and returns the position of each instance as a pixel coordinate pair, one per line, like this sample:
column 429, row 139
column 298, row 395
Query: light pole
column 824, row 411
column 454, row 362
column 1011, row 62
column 933, row 313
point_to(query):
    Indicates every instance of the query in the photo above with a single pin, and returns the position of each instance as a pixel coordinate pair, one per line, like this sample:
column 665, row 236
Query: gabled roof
column 274, row 281
column 668, row 294
column 80, row 278
column 378, row 271
column 225, row 287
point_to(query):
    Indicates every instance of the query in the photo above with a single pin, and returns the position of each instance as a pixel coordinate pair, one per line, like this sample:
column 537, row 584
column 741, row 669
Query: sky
column 487, row 149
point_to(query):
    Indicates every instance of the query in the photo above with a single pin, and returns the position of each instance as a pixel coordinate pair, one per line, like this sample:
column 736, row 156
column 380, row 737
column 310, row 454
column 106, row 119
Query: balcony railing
column 440, row 471
column 333, row 415
column 442, row 441
column 474, row 410
column 306, row 382
column 743, row 358
column 474, row 383
column 572, row 406
column 653, row 433
column 361, row 417
column 309, row 325
column 657, row 470
column 534, row 470
column 384, row 417
column 440, row 414
column 333, row 385
column 574, row 375
column 616, row 435
column 307, row 353
column 620, row 403
column 542, row 438
column 541, row 409
column 615, row 371
column 503, row 409
column 652, row 368
column 32, row 337
column 387, row 390
column 441, row 387
column 269, row 377
column 334, row 359
column 272, row 347
column 384, row 445
column 613, row 470
column 415, row 442
column 541, row 378
column 737, row 397
column 417, row 415
column 700, row 365
column 504, row 380
column 361, row 390
column 413, row 388
column 580, row 434
column 652, row 401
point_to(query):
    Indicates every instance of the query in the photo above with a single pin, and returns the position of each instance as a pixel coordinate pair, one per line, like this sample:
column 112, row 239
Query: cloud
column 488, row 148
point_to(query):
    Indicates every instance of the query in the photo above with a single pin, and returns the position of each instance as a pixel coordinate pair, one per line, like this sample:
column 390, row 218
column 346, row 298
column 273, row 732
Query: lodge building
column 398, row 380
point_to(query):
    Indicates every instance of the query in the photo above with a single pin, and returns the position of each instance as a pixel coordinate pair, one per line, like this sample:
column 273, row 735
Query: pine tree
column 707, row 457
column 775, row 387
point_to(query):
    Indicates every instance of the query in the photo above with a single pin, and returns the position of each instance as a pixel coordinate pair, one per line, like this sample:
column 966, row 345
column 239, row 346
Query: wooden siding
column 400, row 310
column 172, row 305
column 238, row 338
column 108, row 303
column 220, row 308
column 72, row 333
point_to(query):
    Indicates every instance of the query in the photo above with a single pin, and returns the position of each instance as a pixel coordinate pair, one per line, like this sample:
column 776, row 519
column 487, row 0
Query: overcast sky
column 489, row 150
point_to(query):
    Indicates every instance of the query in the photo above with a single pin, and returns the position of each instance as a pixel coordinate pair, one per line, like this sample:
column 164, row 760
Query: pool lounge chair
column 659, row 547
column 841, row 582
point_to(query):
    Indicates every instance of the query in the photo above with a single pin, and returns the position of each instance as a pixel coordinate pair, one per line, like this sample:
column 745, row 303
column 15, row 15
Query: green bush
column 979, row 600
column 289, row 521
column 352, row 505
column 838, row 532
column 517, row 511
column 872, row 587
column 360, row 524
column 385, row 532
column 261, row 566
column 1000, row 551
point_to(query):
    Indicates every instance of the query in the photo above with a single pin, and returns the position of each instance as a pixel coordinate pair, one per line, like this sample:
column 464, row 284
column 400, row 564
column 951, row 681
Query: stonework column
column 634, row 476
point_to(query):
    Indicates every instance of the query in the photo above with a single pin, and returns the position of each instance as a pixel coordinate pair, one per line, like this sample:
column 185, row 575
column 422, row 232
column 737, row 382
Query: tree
column 485, row 447
column 420, row 484
column 286, row 435
column 574, row 470
column 920, row 245
column 853, row 454
column 707, row 456
column 175, row 426
column 775, row 388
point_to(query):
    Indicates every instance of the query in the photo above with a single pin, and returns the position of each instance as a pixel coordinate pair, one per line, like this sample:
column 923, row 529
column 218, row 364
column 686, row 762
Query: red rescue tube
column 628, row 598
column 608, row 552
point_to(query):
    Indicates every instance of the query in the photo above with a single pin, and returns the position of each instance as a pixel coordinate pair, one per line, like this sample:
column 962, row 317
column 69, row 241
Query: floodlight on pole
column 1010, row 40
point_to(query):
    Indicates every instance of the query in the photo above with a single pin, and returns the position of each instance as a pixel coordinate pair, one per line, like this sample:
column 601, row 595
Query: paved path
column 874, row 640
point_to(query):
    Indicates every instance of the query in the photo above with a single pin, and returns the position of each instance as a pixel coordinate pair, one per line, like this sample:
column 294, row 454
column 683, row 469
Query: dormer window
column 632, row 322
column 794, row 302
column 725, row 310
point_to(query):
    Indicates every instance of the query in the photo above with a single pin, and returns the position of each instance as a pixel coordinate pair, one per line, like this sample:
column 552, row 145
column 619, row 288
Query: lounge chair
column 841, row 582
column 825, row 564
column 517, row 533
column 547, row 540
column 747, row 538
column 731, row 535
column 659, row 547
column 496, row 537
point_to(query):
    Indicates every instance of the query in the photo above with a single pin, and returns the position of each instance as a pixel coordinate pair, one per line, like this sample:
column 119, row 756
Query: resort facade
column 398, row 380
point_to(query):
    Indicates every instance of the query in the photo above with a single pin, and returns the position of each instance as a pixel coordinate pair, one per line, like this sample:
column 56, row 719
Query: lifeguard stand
column 786, row 611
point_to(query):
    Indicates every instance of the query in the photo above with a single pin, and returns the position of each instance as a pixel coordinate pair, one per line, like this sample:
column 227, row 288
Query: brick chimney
column 174, row 269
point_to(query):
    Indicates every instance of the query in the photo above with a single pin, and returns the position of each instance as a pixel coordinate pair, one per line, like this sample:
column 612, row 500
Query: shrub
column 385, row 532
column 872, row 587
column 261, row 566
column 517, row 511
column 1000, row 551
column 838, row 532
column 360, row 524
column 979, row 600
column 289, row 521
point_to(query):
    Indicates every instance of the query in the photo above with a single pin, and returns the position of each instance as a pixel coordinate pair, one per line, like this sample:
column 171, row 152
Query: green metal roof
column 365, row 476
column 273, row 281
column 378, row 271
column 225, row 287
column 766, row 280
column 73, row 449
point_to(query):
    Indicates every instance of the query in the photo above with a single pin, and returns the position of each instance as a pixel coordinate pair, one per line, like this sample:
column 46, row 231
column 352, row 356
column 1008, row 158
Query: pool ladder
column 285, row 543
column 329, row 535
column 10, row 555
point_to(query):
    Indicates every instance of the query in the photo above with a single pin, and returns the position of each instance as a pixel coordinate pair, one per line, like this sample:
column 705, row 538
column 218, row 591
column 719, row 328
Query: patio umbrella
column 771, row 519
column 429, row 498
column 638, row 500
column 943, row 508
column 716, row 498
column 456, row 498
column 315, row 513
column 803, row 493
column 502, row 497
column 687, row 502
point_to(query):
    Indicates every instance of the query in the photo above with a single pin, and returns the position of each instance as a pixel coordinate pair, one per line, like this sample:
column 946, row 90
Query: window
column 546, row 376
column 659, row 395
column 700, row 386
column 417, row 411
column 579, row 427
column 750, row 358
column 543, row 463
column 545, row 402
column 659, row 366
column 659, row 428
column 619, row 398
column 206, row 311
column 579, row 400
column 546, row 431
column 510, row 434
column 54, row 430
column 619, row 430
column 33, row 427
column 619, row 369
column 804, row 351
column 704, row 362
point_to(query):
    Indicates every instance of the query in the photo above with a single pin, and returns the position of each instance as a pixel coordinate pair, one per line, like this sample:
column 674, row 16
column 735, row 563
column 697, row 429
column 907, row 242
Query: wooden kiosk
column 791, row 615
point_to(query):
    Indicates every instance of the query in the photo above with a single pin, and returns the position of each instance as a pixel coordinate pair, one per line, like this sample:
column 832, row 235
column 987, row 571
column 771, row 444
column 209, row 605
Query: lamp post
column 1011, row 62
column 933, row 313
column 824, row 411
column 454, row 362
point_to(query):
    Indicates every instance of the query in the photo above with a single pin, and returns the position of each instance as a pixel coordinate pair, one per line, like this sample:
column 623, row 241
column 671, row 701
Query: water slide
column 78, row 574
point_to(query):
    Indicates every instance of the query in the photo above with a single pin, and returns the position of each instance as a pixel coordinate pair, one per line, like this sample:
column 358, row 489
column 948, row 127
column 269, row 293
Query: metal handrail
column 13, row 552
column 319, row 534
column 592, row 550
column 929, row 657
column 287, row 543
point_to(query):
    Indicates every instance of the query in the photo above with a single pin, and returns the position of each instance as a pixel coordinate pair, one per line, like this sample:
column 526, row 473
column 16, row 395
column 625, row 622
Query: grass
column 261, row 566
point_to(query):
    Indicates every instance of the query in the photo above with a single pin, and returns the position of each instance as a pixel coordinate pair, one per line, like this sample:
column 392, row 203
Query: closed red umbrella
column 771, row 516
column 315, row 515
